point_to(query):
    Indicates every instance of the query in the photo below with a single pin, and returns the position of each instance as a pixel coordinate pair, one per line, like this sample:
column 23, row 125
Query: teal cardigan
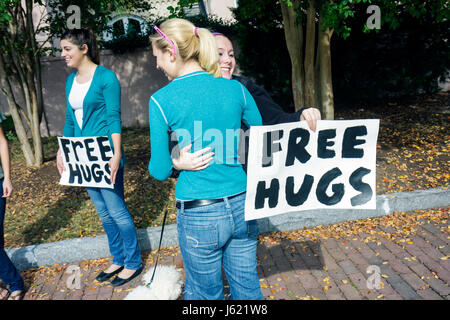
column 101, row 108
column 204, row 111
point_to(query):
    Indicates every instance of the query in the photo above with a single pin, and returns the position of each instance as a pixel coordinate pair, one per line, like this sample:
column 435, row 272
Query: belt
column 200, row 203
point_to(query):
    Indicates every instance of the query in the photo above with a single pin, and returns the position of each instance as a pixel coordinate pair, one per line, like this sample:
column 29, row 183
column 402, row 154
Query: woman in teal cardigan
column 93, row 109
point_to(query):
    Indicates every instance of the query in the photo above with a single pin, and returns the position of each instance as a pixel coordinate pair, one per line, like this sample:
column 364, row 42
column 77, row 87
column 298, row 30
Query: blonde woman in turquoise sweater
column 204, row 109
column 93, row 109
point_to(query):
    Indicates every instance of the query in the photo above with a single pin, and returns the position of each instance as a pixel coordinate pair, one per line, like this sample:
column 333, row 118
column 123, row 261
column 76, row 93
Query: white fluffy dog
column 166, row 285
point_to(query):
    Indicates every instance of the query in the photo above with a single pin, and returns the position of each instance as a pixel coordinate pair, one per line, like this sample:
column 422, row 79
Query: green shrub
column 365, row 66
column 390, row 63
column 8, row 128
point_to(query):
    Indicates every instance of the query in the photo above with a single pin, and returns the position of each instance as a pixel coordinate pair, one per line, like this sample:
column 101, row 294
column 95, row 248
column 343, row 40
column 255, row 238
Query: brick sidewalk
column 293, row 267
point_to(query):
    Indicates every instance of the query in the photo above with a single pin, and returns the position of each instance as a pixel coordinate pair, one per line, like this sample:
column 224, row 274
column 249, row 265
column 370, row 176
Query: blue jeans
column 8, row 273
column 118, row 224
column 214, row 236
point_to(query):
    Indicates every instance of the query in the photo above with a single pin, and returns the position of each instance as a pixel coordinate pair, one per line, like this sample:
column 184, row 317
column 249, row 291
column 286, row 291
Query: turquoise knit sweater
column 204, row 111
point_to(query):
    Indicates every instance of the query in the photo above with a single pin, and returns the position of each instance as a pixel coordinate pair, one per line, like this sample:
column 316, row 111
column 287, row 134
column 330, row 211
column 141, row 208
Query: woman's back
column 204, row 111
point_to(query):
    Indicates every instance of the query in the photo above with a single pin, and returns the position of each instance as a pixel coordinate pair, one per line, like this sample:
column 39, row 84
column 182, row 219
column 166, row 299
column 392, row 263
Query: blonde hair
column 190, row 43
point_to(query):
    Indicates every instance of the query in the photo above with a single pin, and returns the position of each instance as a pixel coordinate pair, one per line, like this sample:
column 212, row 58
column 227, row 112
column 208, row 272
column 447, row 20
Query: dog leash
column 159, row 248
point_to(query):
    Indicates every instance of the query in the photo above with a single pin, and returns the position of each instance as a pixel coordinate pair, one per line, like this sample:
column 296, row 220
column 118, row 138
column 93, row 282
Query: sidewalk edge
column 67, row 251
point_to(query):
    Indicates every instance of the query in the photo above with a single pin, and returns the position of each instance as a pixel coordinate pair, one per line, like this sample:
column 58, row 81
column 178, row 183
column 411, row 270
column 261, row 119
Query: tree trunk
column 36, row 60
column 326, row 86
column 293, row 33
column 22, row 51
column 33, row 68
column 317, row 82
column 310, row 49
column 14, row 110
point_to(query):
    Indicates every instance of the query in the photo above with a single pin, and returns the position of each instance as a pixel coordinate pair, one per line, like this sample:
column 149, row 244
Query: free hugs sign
column 291, row 168
column 86, row 162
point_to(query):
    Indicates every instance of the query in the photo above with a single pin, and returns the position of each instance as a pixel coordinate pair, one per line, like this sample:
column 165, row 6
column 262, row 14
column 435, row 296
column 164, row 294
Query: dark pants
column 8, row 273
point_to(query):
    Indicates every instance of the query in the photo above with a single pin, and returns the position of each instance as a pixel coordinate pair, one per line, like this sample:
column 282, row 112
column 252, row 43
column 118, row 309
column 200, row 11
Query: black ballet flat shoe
column 103, row 276
column 119, row 281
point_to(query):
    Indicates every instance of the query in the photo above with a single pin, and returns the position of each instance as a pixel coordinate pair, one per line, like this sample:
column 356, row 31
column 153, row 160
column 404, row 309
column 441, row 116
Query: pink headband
column 166, row 38
column 195, row 31
column 217, row 34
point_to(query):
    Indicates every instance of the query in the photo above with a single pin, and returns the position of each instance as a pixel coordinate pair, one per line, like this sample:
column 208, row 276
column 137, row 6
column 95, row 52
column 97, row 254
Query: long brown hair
column 84, row 36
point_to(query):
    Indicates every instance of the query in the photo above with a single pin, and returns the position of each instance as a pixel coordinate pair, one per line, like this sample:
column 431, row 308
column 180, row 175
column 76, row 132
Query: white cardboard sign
column 291, row 168
column 86, row 161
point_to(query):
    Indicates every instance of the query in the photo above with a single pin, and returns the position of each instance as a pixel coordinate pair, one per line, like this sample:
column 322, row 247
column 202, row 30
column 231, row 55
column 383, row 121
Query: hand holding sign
column 311, row 116
column 86, row 162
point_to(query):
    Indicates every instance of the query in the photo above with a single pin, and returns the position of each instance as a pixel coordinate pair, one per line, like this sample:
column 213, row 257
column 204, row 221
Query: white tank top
column 76, row 98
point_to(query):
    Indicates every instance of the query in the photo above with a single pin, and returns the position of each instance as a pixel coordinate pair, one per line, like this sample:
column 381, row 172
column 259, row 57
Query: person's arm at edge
column 5, row 161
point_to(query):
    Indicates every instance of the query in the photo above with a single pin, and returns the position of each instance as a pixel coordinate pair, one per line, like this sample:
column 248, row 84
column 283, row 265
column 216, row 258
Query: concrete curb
column 72, row 250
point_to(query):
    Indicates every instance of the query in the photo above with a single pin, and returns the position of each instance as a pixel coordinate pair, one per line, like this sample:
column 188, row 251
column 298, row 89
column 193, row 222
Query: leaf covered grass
column 412, row 154
column 413, row 141
column 43, row 211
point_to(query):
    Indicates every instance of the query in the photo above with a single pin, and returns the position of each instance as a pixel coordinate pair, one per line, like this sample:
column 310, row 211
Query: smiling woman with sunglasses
column 201, row 108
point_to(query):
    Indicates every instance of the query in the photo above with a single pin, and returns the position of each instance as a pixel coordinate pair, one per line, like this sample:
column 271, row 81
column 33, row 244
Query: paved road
column 295, row 267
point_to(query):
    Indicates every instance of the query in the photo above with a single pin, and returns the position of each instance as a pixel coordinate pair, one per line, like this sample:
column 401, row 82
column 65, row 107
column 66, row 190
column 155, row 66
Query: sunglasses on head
column 174, row 50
